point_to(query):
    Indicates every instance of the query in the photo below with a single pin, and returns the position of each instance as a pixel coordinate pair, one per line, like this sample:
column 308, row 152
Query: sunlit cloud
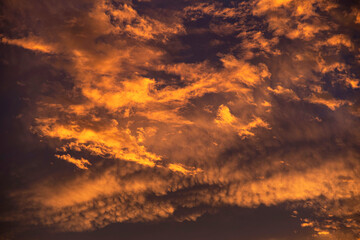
column 31, row 43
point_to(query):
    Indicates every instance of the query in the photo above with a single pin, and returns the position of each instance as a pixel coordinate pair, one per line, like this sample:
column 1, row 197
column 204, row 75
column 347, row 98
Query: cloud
column 224, row 117
column 80, row 163
column 266, row 115
column 126, row 19
column 328, row 102
column 31, row 43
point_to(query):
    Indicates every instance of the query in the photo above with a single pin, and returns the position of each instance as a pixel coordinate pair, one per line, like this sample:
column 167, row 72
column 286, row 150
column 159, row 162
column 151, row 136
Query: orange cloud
column 340, row 39
column 262, row 6
column 279, row 90
column 32, row 43
column 328, row 102
column 128, row 20
column 80, row 163
column 116, row 142
column 180, row 168
column 224, row 117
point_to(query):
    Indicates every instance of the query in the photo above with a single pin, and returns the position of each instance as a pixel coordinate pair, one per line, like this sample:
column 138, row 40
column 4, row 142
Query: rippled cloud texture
column 152, row 107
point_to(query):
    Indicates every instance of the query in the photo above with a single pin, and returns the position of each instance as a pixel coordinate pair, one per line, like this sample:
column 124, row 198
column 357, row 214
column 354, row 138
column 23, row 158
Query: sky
column 183, row 119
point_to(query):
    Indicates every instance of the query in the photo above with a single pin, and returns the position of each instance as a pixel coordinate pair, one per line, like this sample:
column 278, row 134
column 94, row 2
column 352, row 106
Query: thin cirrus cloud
column 170, row 107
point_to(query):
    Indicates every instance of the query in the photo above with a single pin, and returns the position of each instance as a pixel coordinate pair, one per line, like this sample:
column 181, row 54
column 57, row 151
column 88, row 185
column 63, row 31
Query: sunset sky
column 180, row 119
